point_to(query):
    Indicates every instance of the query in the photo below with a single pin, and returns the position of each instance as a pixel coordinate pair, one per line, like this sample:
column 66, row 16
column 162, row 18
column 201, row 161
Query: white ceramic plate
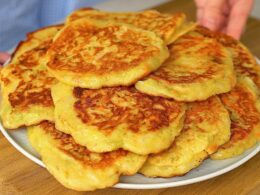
column 208, row 169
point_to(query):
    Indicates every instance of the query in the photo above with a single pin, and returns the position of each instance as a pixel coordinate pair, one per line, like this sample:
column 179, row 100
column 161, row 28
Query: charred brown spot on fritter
column 110, row 107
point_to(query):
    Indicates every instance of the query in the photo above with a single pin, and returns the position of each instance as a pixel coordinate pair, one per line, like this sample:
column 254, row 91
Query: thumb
column 238, row 18
column 213, row 14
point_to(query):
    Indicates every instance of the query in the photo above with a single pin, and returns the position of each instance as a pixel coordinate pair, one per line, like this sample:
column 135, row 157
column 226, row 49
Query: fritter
column 25, row 82
column 244, row 107
column 74, row 165
column 94, row 54
column 243, row 101
column 167, row 26
column 206, row 127
column 121, row 117
column 244, row 62
column 197, row 68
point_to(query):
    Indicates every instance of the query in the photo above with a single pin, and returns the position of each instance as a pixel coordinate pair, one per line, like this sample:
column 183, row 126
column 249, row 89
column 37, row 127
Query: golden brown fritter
column 26, row 83
column 244, row 62
column 197, row 68
column 120, row 117
column 244, row 107
column 74, row 165
column 94, row 54
column 206, row 127
column 169, row 27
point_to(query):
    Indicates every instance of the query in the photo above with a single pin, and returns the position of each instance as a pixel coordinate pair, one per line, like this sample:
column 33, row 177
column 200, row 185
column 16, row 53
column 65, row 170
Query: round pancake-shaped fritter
column 244, row 107
column 74, row 165
column 244, row 62
column 25, row 82
column 28, row 52
column 206, row 127
column 197, row 68
column 167, row 26
column 27, row 101
column 120, row 117
column 94, row 54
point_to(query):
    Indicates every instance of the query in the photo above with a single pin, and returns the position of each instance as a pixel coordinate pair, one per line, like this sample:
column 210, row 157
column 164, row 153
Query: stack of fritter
column 110, row 94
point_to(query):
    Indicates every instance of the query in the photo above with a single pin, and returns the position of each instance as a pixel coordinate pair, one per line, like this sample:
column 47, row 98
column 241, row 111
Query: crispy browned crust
column 66, row 144
column 220, row 37
column 198, row 113
column 244, row 62
column 153, row 112
column 112, row 61
column 31, row 58
column 245, row 117
column 34, row 85
column 213, row 49
column 164, row 24
column 28, row 93
column 30, row 36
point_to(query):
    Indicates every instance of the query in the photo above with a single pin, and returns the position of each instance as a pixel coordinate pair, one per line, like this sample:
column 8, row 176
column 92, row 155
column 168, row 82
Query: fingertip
column 214, row 22
column 213, row 19
column 238, row 18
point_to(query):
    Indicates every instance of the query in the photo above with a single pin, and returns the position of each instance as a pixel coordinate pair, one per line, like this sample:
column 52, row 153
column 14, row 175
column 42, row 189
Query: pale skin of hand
column 228, row 16
column 3, row 57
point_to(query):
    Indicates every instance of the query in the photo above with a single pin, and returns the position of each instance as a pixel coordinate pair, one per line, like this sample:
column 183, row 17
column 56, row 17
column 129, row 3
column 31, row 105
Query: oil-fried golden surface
column 25, row 82
column 94, row 54
column 167, row 26
column 35, row 46
column 206, row 127
column 243, row 101
column 121, row 117
column 197, row 68
column 74, row 165
column 244, row 62
column 244, row 107
column 32, row 92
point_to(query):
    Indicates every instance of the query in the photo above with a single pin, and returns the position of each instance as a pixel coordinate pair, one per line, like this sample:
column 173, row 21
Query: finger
column 4, row 57
column 199, row 15
column 200, row 5
column 213, row 14
column 238, row 18
column 223, row 27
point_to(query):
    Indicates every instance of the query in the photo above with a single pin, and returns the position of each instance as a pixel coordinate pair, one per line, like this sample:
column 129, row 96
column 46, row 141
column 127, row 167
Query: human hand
column 228, row 16
column 4, row 56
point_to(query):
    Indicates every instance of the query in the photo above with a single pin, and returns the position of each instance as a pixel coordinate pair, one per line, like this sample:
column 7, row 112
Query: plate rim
column 119, row 185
